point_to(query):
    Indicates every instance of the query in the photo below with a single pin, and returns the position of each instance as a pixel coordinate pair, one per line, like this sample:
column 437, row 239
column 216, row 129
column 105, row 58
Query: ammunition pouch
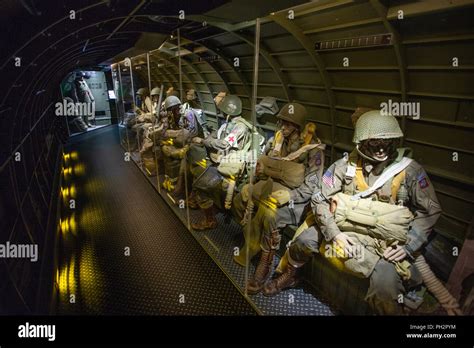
column 233, row 164
column 289, row 173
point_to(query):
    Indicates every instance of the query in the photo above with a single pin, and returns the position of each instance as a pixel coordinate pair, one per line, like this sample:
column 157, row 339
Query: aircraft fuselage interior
column 237, row 158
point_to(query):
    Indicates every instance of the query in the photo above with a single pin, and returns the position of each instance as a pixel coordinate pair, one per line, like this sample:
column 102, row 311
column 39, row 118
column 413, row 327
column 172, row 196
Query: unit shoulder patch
column 313, row 179
column 318, row 158
column 422, row 180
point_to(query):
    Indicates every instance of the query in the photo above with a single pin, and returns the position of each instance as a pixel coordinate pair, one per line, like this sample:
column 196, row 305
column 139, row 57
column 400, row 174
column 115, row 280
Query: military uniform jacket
column 232, row 135
column 422, row 200
column 182, row 130
column 147, row 113
column 189, row 121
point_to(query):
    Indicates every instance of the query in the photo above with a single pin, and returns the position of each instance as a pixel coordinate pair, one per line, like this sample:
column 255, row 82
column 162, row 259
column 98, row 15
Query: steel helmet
column 155, row 91
column 294, row 113
column 171, row 101
column 231, row 105
column 374, row 125
column 142, row 91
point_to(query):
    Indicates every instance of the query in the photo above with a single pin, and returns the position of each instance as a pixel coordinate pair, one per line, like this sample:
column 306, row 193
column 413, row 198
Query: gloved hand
column 398, row 253
column 345, row 243
column 154, row 131
column 220, row 144
column 281, row 196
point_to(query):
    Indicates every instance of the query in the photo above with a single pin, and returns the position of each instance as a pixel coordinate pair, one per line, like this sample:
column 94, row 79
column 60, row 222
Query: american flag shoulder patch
column 328, row 178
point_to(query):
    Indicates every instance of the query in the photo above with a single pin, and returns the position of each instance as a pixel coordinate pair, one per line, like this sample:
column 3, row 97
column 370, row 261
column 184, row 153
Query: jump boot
column 209, row 221
column 191, row 201
column 285, row 280
column 265, row 265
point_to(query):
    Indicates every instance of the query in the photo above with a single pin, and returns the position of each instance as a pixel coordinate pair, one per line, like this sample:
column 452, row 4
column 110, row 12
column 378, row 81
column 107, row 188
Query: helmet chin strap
column 292, row 132
column 371, row 159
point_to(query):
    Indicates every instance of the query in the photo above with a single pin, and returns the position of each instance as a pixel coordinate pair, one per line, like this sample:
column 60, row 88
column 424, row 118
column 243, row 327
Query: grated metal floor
column 220, row 244
column 166, row 272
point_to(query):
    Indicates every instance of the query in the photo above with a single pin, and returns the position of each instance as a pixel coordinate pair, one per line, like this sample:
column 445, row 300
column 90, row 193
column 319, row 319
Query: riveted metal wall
column 415, row 67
